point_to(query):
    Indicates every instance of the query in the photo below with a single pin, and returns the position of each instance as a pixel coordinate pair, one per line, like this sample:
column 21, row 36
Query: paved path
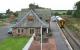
column 60, row 42
column 50, row 45
column 35, row 45
column 3, row 32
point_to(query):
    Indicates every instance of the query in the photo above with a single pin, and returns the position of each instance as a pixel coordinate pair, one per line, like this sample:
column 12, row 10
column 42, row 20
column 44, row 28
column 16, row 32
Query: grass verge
column 1, row 23
column 74, row 25
column 12, row 43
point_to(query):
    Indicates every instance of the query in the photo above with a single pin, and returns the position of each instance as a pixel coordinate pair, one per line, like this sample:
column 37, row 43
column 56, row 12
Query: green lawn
column 12, row 43
column 1, row 23
column 75, row 22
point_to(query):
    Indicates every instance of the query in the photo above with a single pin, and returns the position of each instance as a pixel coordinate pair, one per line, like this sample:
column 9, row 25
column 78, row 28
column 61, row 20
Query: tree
column 77, row 5
column 56, row 14
column 63, row 13
column 8, row 11
column 1, row 15
column 33, row 6
column 77, row 11
column 15, row 13
column 69, row 12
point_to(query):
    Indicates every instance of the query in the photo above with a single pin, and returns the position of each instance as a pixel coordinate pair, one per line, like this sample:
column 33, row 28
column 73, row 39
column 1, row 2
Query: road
column 60, row 42
column 3, row 32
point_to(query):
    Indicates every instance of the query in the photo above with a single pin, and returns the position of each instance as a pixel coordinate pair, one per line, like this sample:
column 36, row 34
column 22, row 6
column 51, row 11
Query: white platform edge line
column 69, row 46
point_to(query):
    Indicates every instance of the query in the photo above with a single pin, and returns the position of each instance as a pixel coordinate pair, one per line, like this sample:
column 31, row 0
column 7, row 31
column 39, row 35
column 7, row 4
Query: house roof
column 36, row 23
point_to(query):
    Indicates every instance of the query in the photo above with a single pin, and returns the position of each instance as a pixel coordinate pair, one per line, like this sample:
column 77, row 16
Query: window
column 31, row 31
column 30, row 18
column 22, row 30
column 18, row 30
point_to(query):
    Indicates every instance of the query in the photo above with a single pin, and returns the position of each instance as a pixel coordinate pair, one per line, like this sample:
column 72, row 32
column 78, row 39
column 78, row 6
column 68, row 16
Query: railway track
column 73, row 42
column 71, row 39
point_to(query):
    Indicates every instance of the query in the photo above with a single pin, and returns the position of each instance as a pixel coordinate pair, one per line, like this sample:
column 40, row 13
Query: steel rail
column 67, row 33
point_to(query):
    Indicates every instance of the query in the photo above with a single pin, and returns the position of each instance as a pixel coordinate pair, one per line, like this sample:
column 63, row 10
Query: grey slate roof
column 36, row 23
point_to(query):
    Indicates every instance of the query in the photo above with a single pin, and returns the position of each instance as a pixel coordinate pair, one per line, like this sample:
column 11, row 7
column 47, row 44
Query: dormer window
column 30, row 18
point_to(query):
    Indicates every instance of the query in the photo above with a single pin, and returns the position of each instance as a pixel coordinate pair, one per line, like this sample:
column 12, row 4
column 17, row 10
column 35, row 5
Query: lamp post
column 41, row 36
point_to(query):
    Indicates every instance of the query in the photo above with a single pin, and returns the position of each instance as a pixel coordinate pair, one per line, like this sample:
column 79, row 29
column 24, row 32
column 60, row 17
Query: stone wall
column 24, row 31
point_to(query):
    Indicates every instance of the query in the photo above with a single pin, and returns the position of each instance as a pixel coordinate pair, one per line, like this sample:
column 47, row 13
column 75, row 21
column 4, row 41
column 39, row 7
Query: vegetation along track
column 71, row 39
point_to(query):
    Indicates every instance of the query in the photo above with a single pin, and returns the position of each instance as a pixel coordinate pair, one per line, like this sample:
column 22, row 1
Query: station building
column 28, row 24
column 44, row 14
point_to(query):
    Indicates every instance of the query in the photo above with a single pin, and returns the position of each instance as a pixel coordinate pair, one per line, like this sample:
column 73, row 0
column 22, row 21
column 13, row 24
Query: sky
column 17, row 5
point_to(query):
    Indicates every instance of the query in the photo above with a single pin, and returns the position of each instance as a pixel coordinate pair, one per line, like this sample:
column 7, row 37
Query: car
column 10, row 31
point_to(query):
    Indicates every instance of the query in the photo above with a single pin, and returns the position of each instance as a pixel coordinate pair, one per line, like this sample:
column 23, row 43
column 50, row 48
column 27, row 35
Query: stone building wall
column 24, row 31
